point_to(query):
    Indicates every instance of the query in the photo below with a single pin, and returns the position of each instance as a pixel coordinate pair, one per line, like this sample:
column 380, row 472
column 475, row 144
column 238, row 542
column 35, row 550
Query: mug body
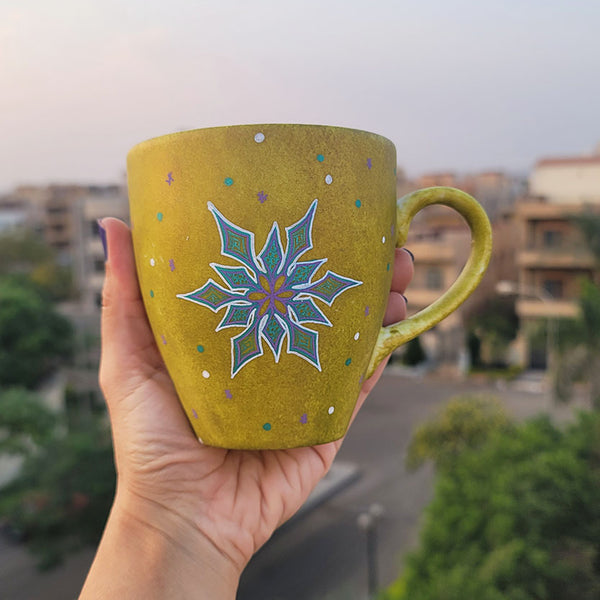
column 264, row 256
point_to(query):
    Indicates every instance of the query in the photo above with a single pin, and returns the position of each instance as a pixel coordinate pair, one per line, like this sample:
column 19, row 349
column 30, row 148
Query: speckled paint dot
column 200, row 440
column 171, row 264
column 369, row 163
column 331, row 410
column 228, row 394
column 362, row 377
column 267, row 426
column 194, row 413
column 164, row 339
column 152, row 262
column 200, row 348
column 356, row 335
column 383, row 240
column 328, row 179
column 259, row 138
column 159, row 216
column 304, row 419
column 205, row 374
column 320, row 157
column 358, row 204
column 151, row 293
column 387, row 267
column 348, row 362
column 366, row 311
column 228, row 181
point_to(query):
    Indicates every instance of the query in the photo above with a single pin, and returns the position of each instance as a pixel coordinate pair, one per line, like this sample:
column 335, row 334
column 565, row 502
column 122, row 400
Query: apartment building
column 552, row 257
column 65, row 217
column 441, row 241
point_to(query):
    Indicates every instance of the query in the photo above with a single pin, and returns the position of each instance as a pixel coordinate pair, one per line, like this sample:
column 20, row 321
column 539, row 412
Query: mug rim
column 171, row 137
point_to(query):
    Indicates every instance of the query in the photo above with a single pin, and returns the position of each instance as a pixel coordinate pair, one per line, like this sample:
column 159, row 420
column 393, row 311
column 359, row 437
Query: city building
column 440, row 240
column 552, row 256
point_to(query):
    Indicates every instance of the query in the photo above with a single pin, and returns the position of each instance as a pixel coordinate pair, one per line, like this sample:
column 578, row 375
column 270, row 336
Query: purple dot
column 304, row 419
column 366, row 310
column 361, row 379
column 228, row 394
column 369, row 163
column 194, row 413
column 164, row 339
column 171, row 264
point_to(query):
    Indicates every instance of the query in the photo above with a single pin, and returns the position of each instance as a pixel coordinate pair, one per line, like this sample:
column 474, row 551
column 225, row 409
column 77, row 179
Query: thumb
column 129, row 354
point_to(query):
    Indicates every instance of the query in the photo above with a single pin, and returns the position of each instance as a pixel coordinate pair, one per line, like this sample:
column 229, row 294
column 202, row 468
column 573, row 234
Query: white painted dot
column 328, row 179
column 259, row 138
column 356, row 335
column 152, row 262
column 331, row 409
column 383, row 240
column 200, row 440
column 205, row 374
column 187, row 239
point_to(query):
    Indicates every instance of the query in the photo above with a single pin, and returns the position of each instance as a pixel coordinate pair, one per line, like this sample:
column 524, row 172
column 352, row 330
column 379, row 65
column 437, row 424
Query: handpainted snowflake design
column 272, row 295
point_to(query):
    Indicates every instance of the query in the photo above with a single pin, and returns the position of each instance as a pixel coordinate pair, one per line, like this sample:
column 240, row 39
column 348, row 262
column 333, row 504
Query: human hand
column 208, row 509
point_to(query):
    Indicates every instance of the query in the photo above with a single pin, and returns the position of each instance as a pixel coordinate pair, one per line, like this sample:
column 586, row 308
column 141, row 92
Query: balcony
column 538, row 309
column 556, row 258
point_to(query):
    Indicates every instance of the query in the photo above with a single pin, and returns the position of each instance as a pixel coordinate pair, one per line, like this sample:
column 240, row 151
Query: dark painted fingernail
column 102, row 234
column 405, row 298
column 412, row 256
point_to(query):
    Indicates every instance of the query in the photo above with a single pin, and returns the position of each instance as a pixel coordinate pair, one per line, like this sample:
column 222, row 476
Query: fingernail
column 102, row 234
column 412, row 256
column 405, row 298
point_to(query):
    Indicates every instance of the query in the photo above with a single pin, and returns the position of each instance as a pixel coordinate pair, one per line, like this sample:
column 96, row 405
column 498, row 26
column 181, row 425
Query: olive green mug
column 264, row 255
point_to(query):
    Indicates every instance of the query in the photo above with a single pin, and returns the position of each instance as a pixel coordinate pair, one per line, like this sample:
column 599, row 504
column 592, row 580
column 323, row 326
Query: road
column 321, row 555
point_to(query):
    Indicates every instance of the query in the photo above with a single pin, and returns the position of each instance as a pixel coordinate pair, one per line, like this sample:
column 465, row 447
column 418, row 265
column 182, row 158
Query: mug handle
column 407, row 207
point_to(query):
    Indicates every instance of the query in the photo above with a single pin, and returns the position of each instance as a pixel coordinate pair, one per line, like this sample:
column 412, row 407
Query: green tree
column 60, row 501
column 29, row 261
column 494, row 323
column 24, row 422
column 515, row 518
column 589, row 225
column 34, row 338
column 579, row 350
column 465, row 422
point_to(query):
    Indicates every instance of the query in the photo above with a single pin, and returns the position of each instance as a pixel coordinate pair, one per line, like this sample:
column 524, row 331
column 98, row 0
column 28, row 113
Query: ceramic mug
column 264, row 255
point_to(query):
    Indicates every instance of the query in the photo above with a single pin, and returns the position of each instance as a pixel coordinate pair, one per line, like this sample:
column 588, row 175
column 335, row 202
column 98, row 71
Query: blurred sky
column 455, row 84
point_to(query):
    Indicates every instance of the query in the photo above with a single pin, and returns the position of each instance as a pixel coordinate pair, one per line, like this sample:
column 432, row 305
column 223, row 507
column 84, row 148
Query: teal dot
column 348, row 361
column 320, row 157
column 228, row 181
column 200, row 348
column 388, row 267
column 267, row 426
column 159, row 216
column 358, row 204
column 151, row 293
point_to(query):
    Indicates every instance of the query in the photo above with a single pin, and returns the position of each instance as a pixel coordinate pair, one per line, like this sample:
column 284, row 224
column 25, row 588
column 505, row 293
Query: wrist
column 147, row 553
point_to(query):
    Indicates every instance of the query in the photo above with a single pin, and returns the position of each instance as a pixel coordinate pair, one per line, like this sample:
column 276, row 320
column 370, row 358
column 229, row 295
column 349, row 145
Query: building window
column 433, row 278
column 552, row 238
column 553, row 287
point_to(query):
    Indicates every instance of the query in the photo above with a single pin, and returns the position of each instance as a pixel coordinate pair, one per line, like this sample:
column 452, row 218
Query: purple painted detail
column 262, row 197
column 171, row 264
column 164, row 339
column 304, row 419
column 194, row 413
column 361, row 379
column 170, row 179
column 272, row 295
column 366, row 311
column 228, row 394
column 369, row 163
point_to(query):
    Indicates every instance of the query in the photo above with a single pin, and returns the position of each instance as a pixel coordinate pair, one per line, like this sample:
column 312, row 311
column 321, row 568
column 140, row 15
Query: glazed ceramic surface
column 264, row 256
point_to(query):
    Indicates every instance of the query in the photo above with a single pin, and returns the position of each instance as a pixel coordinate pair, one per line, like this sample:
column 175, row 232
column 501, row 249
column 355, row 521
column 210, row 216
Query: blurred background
column 473, row 472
